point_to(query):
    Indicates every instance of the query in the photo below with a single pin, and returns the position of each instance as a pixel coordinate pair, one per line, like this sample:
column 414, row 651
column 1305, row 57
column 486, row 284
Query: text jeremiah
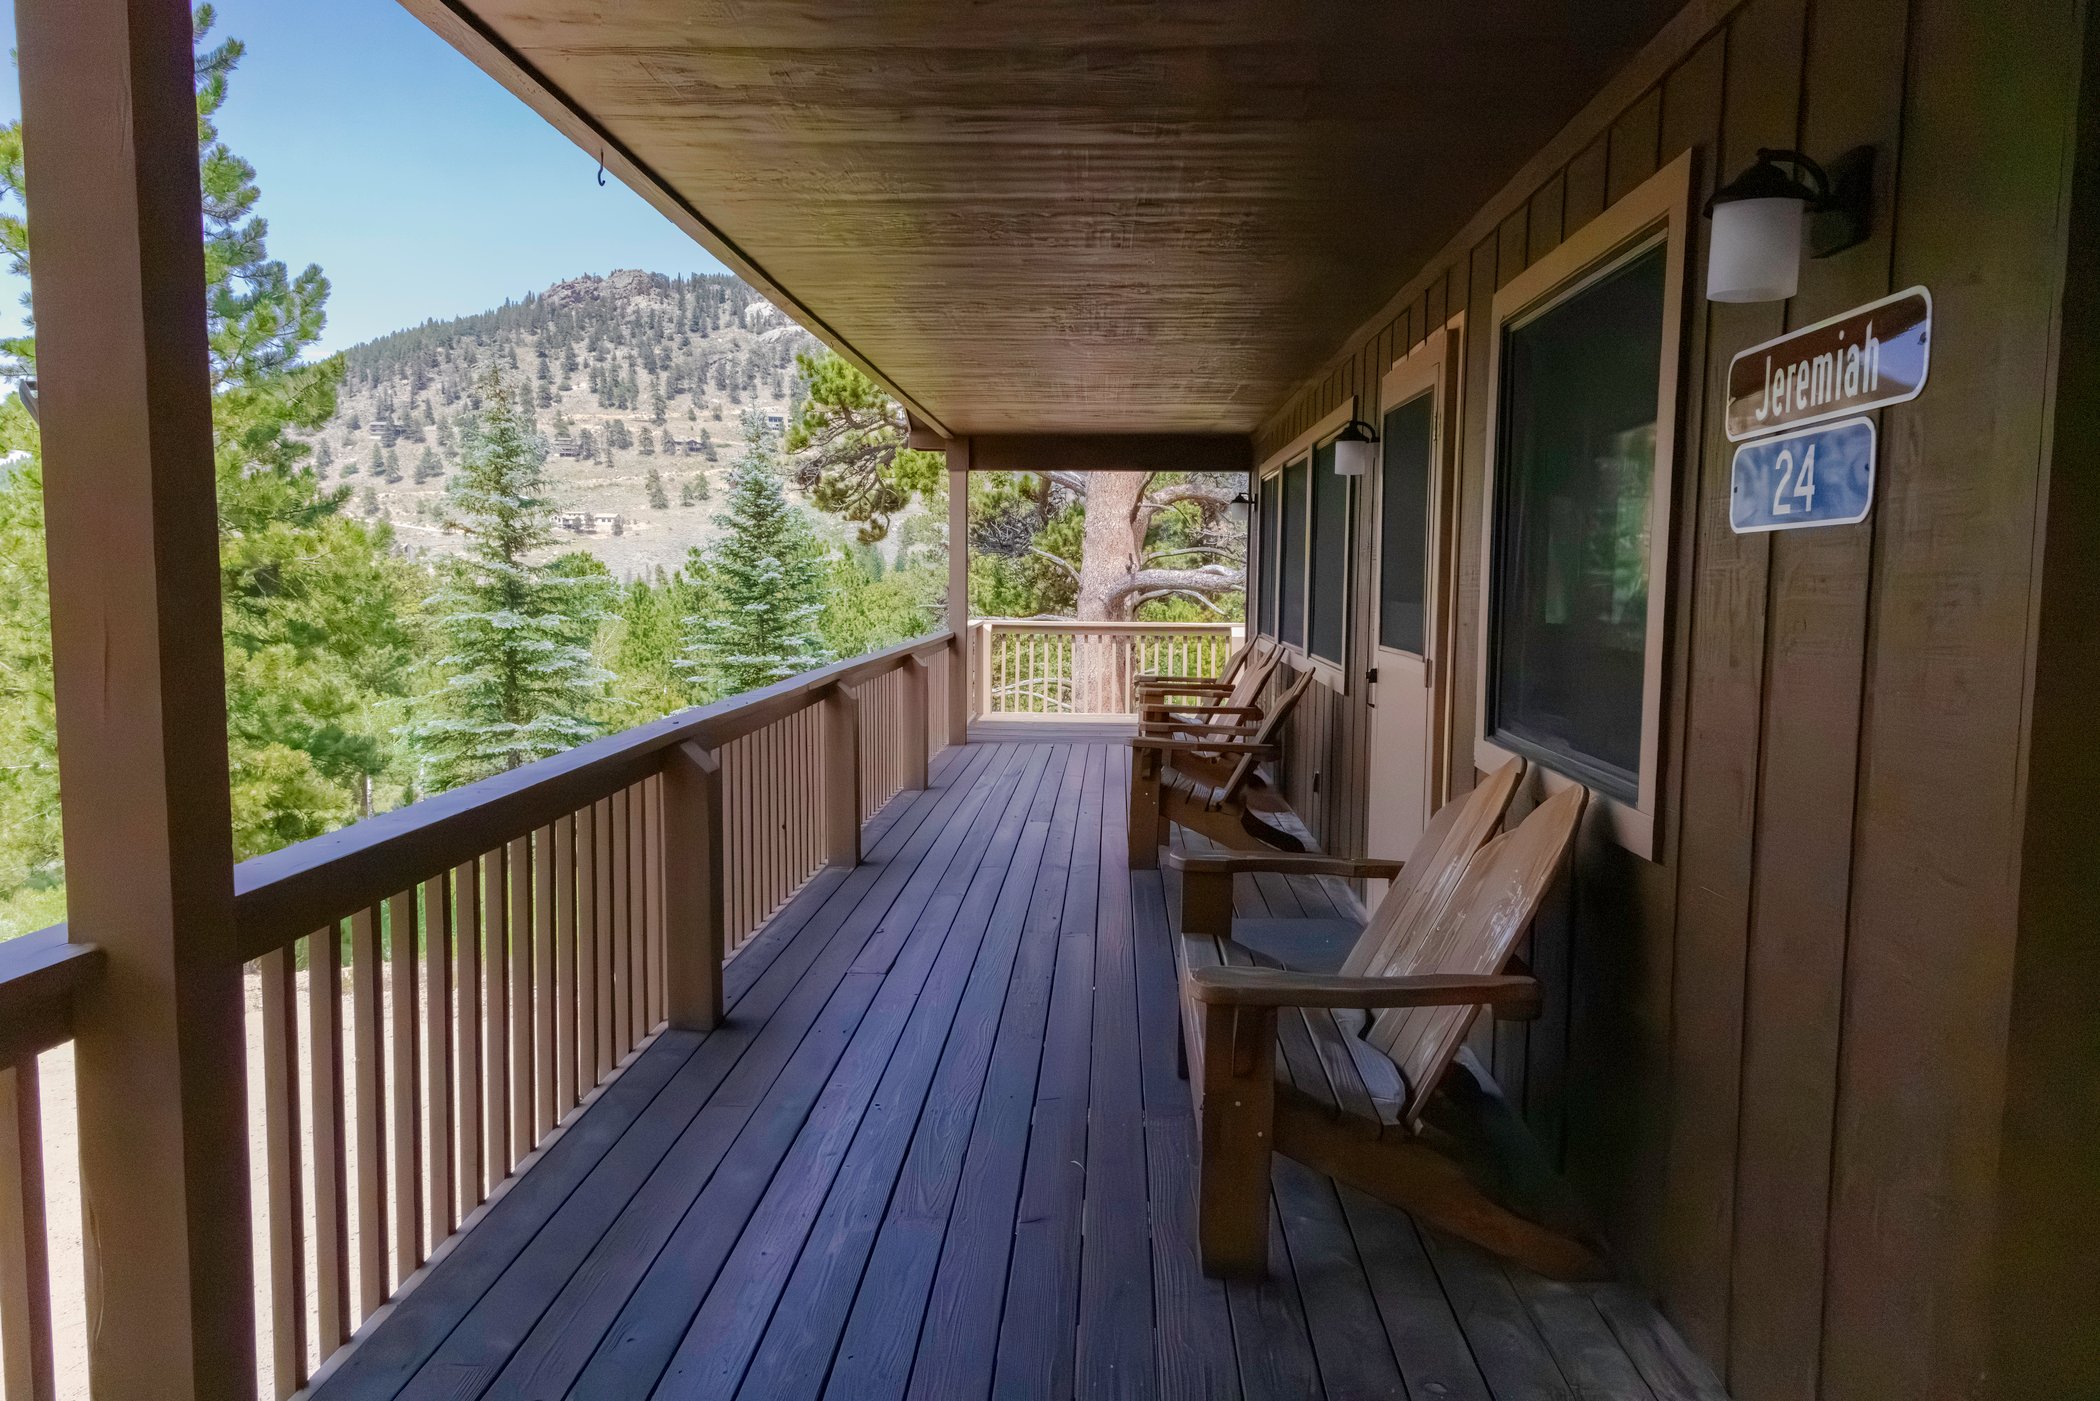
column 1847, row 372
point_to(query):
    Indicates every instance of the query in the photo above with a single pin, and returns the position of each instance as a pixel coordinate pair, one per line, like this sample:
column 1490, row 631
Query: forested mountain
column 638, row 380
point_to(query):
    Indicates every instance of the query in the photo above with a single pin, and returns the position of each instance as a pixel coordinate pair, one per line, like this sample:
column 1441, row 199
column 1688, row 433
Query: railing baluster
column 543, row 990
column 368, row 1042
column 653, row 858
column 520, row 863
column 282, row 1140
column 28, row 1369
column 565, row 1062
column 608, row 934
column 623, row 970
column 637, row 918
column 440, row 1188
column 495, row 944
column 842, row 778
column 588, row 1070
column 466, row 936
column 408, row 1148
column 324, row 1039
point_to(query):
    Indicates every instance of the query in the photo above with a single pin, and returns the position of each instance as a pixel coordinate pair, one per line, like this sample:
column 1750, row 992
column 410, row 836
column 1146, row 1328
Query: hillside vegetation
column 639, row 381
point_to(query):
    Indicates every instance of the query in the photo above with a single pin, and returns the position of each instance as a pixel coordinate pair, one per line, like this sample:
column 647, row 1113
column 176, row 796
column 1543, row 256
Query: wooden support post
column 841, row 778
column 959, row 592
column 913, row 765
column 132, row 536
column 27, row 1365
column 981, row 649
column 695, row 935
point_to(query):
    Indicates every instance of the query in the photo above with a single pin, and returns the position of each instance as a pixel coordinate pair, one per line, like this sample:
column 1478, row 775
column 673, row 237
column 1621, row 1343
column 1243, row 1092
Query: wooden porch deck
column 939, row 1149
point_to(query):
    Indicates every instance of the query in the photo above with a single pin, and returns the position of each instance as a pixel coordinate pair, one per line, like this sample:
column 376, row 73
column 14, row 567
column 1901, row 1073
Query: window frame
column 1332, row 674
column 1659, row 208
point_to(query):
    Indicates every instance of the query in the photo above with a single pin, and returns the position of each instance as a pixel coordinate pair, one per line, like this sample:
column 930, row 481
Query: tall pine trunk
column 1108, row 554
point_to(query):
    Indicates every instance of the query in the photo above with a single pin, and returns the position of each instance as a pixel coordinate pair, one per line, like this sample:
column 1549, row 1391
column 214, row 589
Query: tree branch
column 1059, row 560
column 1205, row 579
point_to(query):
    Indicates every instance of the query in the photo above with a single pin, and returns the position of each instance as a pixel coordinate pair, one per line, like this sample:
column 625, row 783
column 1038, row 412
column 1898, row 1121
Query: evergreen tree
column 658, row 499
column 766, row 574
column 520, row 680
column 428, row 468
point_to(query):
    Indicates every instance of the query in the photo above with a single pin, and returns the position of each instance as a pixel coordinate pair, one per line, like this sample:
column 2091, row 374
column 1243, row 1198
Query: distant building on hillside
column 567, row 446
column 592, row 522
column 777, row 423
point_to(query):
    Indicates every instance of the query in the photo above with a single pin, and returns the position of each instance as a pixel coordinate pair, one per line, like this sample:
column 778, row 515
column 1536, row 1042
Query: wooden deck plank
column 939, row 1148
column 1194, row 1343
column 735, row 1149
column 1114, row 1349
column 942, row 1269
column 900, row 1175
column 616, row 1246
column 1036, row 1350
column 885, row 1073
column 382, row 1365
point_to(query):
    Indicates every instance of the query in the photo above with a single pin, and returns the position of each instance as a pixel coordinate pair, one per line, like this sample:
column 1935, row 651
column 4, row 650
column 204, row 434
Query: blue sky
column 419, row 185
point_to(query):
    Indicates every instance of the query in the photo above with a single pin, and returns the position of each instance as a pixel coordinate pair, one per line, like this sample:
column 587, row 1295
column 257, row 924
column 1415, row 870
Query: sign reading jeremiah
column 1874, row 355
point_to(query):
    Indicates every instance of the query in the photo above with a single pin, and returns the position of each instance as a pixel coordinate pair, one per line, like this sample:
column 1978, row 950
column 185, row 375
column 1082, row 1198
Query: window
column 1403, row 491
column 1308, row 548
column 1271, row 494
column 1575, row 478
column 1577, row 525
column 1329, row 560
column 1290, row 621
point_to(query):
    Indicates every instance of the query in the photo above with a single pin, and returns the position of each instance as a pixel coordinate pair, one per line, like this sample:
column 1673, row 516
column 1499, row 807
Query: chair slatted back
column 1433, row 869
column 1476, row 931
column 1272, row 723
column 1247, row 686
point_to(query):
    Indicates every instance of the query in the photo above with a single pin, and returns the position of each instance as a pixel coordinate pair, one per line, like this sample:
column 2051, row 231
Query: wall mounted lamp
column 1355, row 448
column 1755, row 255
column 1236, row 509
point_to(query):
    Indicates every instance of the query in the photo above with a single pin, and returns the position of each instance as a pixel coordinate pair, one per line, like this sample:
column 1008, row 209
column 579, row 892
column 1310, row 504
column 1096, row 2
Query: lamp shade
column 1755, row 255
column 1355, row 449
column 1236, row 509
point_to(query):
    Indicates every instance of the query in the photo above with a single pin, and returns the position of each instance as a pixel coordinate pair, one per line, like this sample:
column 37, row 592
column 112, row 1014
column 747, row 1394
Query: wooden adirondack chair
column 1284, row 1061
column 1153, row 687
column 1235, row 710
column 1176, row 778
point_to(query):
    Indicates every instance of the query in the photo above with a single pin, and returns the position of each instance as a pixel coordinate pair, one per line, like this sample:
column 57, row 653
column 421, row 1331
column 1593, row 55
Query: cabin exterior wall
column 1776, row 1057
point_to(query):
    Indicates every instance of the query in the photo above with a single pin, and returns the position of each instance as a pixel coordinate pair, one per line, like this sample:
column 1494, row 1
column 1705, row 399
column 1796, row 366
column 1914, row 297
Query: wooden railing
column 1057, row 666
column 438, row 988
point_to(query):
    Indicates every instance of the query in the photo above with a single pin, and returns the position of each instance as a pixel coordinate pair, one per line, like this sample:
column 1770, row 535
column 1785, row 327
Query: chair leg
column 1145, row 819
column 1236, row 1130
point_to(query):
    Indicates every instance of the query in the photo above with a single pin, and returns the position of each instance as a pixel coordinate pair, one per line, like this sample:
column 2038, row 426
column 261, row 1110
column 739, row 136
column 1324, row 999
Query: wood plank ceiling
column 1064, row 215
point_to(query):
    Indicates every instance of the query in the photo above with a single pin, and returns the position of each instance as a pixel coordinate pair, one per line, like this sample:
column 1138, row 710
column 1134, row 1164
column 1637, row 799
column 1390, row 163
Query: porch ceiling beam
column 1108, row 452
column 132, row 536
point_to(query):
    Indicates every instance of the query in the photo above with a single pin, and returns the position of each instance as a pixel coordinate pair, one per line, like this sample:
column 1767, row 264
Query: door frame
column 1436, row 365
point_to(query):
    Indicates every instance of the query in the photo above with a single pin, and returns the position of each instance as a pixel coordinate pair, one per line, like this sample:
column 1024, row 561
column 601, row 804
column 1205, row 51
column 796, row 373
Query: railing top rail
column 1076, row 625
column 38, row 975
column 285, row 894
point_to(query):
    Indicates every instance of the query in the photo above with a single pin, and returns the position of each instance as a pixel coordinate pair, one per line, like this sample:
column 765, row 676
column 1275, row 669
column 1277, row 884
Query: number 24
column 1792, row 488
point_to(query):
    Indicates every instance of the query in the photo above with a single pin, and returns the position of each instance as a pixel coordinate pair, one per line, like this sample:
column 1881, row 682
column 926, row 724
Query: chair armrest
column 1188, row 684
column 1275, row 987
column 1202, row 713
column 1170, row 726
column 1204, row 746
column 1285, row 863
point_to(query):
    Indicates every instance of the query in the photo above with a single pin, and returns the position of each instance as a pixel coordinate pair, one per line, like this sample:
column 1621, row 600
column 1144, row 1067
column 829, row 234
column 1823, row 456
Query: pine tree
column 766, row 574
column 658, row 499
column 520, row 683
column 428, row 468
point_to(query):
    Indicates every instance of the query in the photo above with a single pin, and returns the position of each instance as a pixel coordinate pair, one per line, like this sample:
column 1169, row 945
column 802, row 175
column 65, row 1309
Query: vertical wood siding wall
column 1774, row 1058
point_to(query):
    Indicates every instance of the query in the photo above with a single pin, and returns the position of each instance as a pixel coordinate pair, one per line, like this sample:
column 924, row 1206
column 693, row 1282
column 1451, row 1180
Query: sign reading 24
column 1818, row 476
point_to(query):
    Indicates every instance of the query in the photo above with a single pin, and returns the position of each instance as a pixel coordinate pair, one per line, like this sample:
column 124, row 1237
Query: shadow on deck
column 939, row 1148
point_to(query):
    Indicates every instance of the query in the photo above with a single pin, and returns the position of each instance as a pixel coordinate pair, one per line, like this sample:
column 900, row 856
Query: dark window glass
column 1330, row 559
column 1575, row 463
column 1403, row 530
column 1271, row 558
column 1290, row 595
